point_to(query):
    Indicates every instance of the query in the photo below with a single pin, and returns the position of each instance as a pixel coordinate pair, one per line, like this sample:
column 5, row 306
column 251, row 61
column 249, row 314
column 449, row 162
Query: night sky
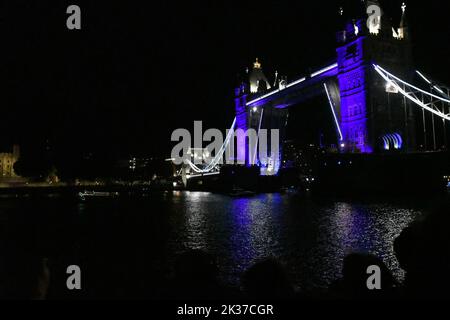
column 138, row 70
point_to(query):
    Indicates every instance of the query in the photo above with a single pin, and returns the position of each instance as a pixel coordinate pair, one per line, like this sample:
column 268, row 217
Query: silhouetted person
column 423, row 251
column 25, row 277
column 267, row 280
column 353, row 284
column 196, row 277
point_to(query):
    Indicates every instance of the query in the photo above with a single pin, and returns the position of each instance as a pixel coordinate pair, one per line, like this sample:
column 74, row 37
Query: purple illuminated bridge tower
column 369, row 116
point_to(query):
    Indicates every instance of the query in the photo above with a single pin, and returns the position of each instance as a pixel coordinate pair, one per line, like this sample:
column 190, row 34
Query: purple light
column 351, row 77
column 241, row 123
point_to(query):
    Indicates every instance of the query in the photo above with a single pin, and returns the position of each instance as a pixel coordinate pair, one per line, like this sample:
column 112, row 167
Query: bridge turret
column 367, row 112
column 257, row 78
column 403, row 30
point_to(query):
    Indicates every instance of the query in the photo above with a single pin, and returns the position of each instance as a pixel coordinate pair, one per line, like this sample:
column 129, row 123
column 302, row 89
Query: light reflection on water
column 310, row 238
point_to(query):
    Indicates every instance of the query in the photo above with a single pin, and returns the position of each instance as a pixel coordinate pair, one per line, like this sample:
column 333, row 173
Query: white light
column 429, row 82
column 263, row 97
column 423, row 77
column 421, row 104
column 391, row 88
column 218, row 157
column 378, row 68
column 438, row 89
column 342, row 145
column 255, row 109
column 202, row 175
column 333, row 66
column 334, row 113
column 296, row 82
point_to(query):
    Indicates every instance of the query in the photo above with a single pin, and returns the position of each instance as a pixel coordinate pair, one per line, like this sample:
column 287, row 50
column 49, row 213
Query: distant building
column 7, row 161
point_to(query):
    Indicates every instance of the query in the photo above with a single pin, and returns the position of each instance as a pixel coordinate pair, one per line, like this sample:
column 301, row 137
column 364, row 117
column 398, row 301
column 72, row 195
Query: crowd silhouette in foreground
column 422, row 250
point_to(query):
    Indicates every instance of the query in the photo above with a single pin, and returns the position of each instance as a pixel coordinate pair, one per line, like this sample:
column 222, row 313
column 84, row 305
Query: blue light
column 393, row 140
column 355, row 130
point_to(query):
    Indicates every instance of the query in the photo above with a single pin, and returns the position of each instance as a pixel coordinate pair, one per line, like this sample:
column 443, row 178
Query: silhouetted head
column 356, row 273
column 24, row 277
column 267, row 279
column 197, row 267
column 407, row 247
column 423, row 251
column 436, row 234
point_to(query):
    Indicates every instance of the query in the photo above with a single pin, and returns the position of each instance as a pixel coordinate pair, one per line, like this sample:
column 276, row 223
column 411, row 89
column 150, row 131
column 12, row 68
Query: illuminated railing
column 409, row 91
column 218, row 158
column 434, row 86
column 313, row 75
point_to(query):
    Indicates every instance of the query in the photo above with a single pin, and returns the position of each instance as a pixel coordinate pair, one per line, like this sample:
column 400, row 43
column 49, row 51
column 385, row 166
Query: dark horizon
column 135, row 72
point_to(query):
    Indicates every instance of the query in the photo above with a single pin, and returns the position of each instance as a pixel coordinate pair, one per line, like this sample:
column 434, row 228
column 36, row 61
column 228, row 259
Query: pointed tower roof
column 403, row 21
column 256, row 77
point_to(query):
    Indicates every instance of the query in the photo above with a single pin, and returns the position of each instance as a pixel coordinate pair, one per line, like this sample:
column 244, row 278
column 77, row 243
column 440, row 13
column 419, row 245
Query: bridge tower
column 254, row 84
column 242, row 92
column 370, row 110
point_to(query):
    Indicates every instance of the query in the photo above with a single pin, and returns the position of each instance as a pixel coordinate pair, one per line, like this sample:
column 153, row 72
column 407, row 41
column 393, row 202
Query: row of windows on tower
column 355, row 110
column 357, row 135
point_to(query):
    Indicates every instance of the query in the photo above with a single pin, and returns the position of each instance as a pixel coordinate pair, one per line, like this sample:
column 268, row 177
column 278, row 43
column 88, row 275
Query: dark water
column 125, row 245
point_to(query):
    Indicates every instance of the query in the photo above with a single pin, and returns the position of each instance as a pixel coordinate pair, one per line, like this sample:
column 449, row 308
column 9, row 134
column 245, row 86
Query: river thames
column 128, row 246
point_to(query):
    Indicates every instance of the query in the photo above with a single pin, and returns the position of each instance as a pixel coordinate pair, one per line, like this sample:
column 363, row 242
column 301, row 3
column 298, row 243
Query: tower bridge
column 368, row 88
column 379, row 101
